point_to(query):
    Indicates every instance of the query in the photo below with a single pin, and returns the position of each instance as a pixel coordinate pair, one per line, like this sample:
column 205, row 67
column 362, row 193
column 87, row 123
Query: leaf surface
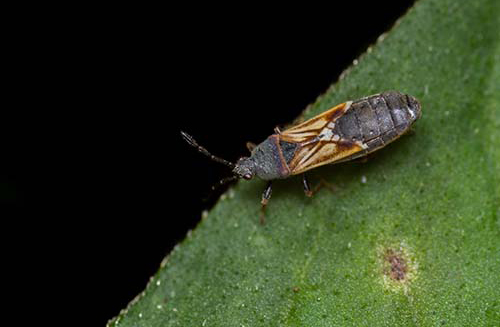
column 410, row 238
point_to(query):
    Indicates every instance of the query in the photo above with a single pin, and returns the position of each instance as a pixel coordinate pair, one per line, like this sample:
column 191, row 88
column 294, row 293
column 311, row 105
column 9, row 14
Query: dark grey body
column 370, row 122
column 267, row 161
column 377, row 120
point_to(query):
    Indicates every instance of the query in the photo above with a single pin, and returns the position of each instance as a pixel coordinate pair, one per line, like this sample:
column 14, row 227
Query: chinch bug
column 347, row 131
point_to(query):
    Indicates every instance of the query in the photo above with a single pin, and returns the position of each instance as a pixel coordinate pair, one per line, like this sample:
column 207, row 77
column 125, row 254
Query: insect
column 347, row 131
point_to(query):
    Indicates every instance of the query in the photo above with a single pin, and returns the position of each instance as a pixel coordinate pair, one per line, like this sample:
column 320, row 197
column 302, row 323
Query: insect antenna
column 224, row 181
column 188, row 138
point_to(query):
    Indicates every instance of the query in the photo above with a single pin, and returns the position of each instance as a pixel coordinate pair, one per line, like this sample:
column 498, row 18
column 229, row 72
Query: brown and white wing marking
column 321, row 153
column 312, row 127
column 319, row 142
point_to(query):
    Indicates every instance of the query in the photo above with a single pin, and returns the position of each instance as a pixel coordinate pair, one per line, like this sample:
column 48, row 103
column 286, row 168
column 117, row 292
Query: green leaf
column 410, row 238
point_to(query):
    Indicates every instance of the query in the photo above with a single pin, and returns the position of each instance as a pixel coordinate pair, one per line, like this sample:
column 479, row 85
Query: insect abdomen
column 377, row 120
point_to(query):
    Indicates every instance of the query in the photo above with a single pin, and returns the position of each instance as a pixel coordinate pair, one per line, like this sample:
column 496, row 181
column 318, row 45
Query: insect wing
column 311, row 128
column 322, row 153
column 317, row 140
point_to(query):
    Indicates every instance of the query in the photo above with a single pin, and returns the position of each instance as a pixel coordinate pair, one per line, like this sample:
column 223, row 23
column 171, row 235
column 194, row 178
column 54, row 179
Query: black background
column 95, row 176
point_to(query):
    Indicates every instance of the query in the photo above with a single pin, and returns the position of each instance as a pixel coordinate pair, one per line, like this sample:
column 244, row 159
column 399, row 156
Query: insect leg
column 251, row 146
column 266, row 195
column 307, row 186
column 310, row 192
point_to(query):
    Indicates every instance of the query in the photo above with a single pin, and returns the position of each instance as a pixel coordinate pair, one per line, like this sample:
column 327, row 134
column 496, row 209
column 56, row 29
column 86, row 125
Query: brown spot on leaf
column 396, row 267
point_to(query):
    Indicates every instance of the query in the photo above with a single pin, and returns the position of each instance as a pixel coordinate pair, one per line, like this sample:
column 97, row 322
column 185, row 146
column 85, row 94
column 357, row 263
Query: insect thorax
column 269, row 159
